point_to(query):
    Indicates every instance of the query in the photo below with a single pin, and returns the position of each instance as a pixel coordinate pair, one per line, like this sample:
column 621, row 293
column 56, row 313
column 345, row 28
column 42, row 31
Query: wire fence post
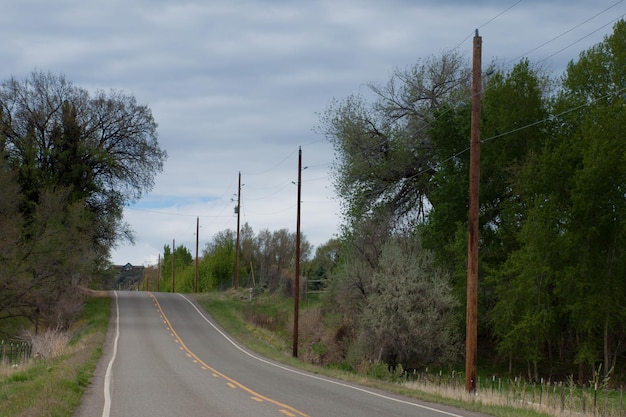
column 14, row 352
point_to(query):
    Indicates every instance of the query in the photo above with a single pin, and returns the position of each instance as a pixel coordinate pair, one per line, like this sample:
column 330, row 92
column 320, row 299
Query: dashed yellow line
column 285, row 409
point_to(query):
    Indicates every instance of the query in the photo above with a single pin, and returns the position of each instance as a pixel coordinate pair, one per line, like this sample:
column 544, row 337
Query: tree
column 36, row 272
column 587, row 157
column 322, row 266
column 395, row 304
column 219, row 256
column 70, row 162
column 560, row 292
column 103, row 148
column 247, row 253
column 276, row 255
column 182, row 260
column 385, row 154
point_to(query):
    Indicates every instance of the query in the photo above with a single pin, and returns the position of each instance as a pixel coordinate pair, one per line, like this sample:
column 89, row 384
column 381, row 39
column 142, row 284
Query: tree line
column 552, row 264
column 69, row 162
column 266, row 261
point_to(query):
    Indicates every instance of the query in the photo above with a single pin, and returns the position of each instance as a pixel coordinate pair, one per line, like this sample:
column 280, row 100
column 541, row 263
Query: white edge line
column 107, row 376
column 330, row 381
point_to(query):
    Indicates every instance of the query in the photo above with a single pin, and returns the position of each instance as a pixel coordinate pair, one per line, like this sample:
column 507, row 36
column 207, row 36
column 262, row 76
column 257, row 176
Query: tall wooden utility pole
column 238, row 227
column 471, row 336
column 296, row 290
column 173, row 250
column 158, row 288
column 195, row 277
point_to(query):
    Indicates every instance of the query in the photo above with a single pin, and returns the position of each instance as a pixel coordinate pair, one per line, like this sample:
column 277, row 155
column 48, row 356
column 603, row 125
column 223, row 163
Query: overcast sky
column 238, row 86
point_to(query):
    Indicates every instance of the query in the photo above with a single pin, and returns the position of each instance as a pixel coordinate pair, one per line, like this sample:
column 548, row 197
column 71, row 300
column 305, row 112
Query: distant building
column 128, row 276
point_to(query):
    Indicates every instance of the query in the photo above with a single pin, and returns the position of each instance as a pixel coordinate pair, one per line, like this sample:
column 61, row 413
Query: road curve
column 164, row 356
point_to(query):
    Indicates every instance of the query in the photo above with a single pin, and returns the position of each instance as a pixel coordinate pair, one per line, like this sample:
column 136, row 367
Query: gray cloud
column 237, row 85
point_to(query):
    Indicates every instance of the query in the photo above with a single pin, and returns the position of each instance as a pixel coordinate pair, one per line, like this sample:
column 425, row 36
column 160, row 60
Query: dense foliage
column 69, row 163
column 552, row 204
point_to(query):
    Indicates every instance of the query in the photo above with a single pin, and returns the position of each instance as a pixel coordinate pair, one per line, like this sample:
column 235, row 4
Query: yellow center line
column 184, row 347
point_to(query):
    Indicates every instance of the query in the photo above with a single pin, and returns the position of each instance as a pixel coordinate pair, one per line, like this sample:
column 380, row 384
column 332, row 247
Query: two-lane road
column 165, row 357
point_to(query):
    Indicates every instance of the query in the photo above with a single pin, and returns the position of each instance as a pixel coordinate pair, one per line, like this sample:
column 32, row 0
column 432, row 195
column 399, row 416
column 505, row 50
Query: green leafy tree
column 592, row 211
column 561, row 290
column 182, row 261
column 324, row 263
column 219, row 258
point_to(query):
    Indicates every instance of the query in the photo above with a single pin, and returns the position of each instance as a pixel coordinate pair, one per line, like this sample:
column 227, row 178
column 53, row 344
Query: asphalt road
column 165, row 357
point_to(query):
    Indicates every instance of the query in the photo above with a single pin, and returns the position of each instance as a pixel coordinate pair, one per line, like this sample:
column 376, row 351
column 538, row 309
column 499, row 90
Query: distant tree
column 326, row 259
column 219, row 259
column 247, row 254
column 182, row 260
column 276, row 254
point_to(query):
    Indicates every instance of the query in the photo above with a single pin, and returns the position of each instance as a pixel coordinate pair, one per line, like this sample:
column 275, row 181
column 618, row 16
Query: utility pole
column 471, row 336
column 195, row 278
column 296, row 291
column 173, row 250
column 238, row 227
column 159, row 274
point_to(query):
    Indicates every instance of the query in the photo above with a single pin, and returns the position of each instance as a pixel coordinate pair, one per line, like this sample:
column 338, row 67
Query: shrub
column 47, row 345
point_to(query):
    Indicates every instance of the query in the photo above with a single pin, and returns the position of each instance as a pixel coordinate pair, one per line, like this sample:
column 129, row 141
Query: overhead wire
column 486, row 23
column 317, row 141
column 584, row 37
column 283, row 160
column 429, row 123
column 529, row 125
column 565, row 32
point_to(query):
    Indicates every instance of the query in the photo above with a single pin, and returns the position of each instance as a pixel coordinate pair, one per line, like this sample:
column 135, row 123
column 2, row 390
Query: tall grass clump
column 52, row 382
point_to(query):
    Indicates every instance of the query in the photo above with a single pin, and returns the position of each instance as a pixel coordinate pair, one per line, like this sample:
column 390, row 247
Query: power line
column 566, row 32
column 529, row 125
column 283, row 160
column 487, row 22
column 429, row 123
column 584, row 37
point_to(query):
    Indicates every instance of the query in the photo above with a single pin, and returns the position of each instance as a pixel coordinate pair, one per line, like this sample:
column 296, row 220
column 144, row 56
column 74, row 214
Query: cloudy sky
column 238, row 86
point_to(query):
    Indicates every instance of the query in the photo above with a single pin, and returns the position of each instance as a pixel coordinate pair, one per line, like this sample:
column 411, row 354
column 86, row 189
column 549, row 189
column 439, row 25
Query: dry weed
column 48, row 344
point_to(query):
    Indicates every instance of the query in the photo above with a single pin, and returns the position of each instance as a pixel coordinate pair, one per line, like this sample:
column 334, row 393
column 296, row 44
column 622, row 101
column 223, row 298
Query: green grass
column 55, row 387
column 229, row 309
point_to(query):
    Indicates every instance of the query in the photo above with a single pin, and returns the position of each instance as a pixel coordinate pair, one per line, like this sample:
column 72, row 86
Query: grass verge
column 229, row 311
column 54, row 386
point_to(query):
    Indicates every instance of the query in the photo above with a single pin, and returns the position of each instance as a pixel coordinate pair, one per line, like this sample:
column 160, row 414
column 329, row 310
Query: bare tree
column 385, row 157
